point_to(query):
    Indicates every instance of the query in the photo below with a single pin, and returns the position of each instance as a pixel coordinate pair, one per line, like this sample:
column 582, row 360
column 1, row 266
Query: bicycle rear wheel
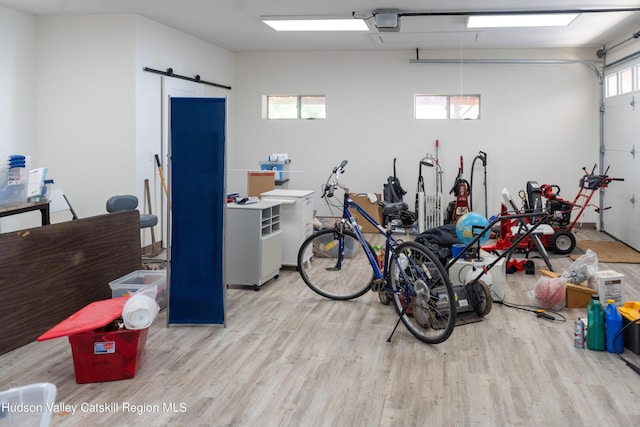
column 423, row 294
column 331, row 273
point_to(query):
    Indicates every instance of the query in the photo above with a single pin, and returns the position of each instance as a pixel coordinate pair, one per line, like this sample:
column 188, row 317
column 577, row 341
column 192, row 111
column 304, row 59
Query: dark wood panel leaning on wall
column 48, row 273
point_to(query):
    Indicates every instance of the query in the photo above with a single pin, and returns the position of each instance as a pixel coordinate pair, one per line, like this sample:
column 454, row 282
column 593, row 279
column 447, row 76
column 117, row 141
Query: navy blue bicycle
column 340, row 264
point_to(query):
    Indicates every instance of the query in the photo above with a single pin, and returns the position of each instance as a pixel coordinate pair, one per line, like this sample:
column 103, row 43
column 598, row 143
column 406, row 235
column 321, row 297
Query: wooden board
column 48, row 273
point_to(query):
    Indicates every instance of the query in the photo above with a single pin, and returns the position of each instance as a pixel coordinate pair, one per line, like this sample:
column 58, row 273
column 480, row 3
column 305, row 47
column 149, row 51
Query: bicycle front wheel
column 335, row 265
column 422, row 293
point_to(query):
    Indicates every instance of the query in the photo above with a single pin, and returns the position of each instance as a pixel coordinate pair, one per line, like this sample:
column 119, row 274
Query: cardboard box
column 260, row 182
column 609, row 284
column 578, row 296
column 373, row 209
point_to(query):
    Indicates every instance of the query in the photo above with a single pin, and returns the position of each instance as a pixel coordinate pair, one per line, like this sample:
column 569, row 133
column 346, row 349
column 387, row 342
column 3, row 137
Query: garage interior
column 90, row 87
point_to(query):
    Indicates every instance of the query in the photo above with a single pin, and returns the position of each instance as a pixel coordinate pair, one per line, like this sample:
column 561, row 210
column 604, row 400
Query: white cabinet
column 296, row 220
column 253, row 243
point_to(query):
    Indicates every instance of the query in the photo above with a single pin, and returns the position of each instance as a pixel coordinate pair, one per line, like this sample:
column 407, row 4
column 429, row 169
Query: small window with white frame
column 611, row 85
column 454, row 107
column 302, row 107
column 465, row 107
column 626, row 80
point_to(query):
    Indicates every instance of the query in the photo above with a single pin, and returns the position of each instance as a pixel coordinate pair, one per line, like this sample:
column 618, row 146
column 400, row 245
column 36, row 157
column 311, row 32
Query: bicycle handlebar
column 332, row 181
column 340, row 167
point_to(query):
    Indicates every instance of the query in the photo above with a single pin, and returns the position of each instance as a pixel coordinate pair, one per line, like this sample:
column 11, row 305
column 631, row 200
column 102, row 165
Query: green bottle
column 595, row 325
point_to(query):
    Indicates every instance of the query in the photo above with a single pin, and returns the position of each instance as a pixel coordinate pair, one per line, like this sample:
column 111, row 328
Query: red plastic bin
column 107, row 356
column 99, row 354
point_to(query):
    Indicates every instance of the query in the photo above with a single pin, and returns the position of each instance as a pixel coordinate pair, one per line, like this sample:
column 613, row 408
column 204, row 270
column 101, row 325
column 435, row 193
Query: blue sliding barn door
column 197, row 206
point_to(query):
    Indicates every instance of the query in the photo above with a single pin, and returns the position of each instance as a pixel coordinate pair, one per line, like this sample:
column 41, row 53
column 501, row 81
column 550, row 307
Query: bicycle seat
column 391, row 208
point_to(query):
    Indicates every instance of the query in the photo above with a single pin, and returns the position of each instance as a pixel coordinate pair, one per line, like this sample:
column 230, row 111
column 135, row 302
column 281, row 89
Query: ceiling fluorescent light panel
column 524, row 20
column 319, row 24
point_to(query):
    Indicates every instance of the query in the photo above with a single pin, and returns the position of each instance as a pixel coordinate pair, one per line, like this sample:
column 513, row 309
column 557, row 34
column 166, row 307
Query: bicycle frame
column 390, row 241
column 408, row 273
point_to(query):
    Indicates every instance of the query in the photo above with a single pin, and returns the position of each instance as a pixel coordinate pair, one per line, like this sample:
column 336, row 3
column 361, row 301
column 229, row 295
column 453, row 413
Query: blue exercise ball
column 470, row 225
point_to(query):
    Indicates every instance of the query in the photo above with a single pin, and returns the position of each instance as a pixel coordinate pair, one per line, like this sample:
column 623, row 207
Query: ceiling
column 236, row 24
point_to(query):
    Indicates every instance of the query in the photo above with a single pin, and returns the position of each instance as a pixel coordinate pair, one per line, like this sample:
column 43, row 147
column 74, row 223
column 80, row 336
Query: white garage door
column 621, row 140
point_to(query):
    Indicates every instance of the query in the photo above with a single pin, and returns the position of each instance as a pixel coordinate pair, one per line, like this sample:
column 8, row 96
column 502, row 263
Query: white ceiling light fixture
column 316, row 24
column 387, row 20
column 524, row 20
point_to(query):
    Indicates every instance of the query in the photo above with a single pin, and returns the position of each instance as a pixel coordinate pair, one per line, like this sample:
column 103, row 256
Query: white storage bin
column 133, row 282
column 13, row 186
column 29, row 405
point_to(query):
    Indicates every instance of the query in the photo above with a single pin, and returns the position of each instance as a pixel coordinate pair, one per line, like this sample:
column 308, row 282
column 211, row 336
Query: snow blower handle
column 592, row 170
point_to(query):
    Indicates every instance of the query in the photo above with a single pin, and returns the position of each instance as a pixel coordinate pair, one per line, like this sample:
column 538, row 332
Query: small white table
column 253, row 243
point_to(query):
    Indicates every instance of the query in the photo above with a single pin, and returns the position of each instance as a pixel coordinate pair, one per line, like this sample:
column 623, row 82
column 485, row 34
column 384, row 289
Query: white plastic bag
column 550, row 292
column 582, row 268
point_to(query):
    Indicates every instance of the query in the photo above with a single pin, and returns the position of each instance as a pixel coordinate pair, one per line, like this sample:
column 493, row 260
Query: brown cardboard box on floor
column 260, row 182
column 373, row 209
column 578, row 296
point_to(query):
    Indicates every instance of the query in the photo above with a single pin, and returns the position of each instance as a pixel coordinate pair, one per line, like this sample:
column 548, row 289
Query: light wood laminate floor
column 288, row 357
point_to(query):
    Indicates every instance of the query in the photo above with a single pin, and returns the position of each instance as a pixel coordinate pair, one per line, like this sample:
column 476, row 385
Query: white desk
column 296, row 220
column 253, row 243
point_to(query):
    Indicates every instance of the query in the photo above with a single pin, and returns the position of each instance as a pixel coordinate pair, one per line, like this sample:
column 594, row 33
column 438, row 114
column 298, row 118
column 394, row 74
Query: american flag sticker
column 104, row 347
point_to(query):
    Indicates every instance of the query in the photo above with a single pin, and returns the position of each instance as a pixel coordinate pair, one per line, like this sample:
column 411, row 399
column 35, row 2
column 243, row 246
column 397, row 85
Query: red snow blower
column 557, row 231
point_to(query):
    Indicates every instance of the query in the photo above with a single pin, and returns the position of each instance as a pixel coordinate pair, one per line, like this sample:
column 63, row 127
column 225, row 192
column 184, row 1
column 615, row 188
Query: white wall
column 539, row 122
column 80, row 103
column 17, row 68
column 17, row 86
column 98, row 114
column 160, row 47
column 85, row 103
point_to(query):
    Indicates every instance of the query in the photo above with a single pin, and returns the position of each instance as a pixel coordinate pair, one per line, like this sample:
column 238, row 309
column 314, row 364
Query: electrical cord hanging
column 541, row 313
column 332, row 204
